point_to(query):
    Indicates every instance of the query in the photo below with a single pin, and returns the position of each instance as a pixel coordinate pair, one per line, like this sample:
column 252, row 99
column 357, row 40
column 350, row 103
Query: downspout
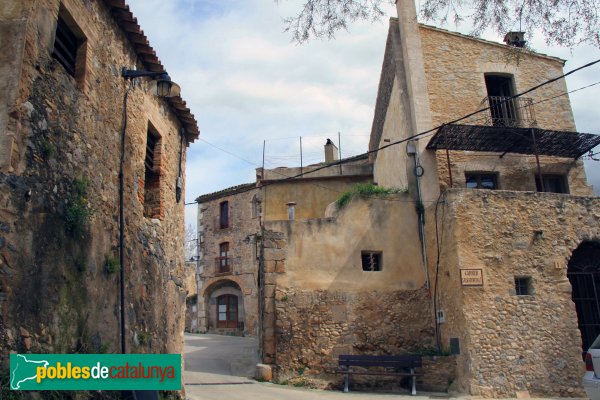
column 411, row 149
column 122, row 223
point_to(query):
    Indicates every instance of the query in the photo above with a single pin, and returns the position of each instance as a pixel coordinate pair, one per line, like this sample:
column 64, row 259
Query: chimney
column 515, row 39
column 331, row 151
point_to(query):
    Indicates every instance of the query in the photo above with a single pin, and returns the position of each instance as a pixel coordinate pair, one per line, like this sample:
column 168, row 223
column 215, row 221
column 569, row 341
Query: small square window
column 523, row 286
column 371, row 260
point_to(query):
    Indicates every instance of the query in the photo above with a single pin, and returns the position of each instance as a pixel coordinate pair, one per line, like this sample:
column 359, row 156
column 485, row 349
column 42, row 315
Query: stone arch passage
column 584, row 274
column 224, row 308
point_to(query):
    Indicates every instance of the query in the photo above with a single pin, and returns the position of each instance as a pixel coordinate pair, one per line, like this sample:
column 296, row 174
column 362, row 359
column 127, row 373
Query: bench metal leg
column 346, row 379
column 414, row 382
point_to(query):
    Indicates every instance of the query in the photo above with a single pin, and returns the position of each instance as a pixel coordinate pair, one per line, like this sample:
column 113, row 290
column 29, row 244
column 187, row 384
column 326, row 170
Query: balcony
column 222, row 265
column 508, row 112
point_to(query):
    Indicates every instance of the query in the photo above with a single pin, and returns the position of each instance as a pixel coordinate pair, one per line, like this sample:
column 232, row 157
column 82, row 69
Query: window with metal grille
column 152, row 195
column 66, row 43
column 523, row 286
column 371, row 260
column 223, row 264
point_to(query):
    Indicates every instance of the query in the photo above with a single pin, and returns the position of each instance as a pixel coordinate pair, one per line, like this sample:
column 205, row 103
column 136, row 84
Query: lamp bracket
column 132, row 74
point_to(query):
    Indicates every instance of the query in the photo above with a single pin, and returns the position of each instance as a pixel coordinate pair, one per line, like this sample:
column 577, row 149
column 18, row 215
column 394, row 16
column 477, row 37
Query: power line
column 415, row 136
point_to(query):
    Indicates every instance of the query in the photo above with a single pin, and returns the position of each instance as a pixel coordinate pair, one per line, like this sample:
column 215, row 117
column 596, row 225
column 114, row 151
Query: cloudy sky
column 247, row 83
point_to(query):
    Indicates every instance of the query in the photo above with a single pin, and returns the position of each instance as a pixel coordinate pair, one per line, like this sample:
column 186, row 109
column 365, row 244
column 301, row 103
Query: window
column 69, row 48
column 476, row 180
column 371, row 260
column 224, row 215
column 152, row 164
column 255, row 207
column 523, row 286
column 499, row 89
column 552, row 183
column 227, row 311
column 223, row 264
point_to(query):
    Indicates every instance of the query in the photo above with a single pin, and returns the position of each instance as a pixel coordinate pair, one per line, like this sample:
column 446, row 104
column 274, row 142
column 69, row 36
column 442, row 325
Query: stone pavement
column 219, row 368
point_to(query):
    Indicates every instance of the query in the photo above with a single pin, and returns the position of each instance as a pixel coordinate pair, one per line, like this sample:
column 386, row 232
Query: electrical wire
column 419, row 135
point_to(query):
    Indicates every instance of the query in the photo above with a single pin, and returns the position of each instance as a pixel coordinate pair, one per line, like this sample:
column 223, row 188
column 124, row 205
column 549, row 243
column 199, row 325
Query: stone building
column 229, row 229
column 61, row 120
column 487, row 259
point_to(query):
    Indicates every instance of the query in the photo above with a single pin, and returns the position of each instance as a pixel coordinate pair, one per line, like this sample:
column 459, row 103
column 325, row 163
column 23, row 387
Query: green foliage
column 301, row 370
column 142, row 338
column 366, row 190
column 77, row 210
column 111, row 265
column 285, row 297
column 47, row 148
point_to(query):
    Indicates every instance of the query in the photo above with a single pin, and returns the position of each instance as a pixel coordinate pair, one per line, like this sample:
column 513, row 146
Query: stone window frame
column 66, row 24
column 152, row 198
column 255, row 207
column 479, row 175
column 371, row 260
column 523, row 285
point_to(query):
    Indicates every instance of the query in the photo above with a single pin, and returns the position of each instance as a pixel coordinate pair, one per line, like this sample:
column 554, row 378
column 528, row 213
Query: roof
column 225, row 192
column 501, row 139
column 128, row 23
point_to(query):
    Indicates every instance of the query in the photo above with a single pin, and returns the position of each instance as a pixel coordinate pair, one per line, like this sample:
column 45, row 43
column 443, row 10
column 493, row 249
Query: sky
column 249, row 85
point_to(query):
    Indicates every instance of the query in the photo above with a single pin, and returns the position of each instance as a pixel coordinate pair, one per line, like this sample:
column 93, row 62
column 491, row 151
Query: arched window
column 227, row 311
column 223, row 263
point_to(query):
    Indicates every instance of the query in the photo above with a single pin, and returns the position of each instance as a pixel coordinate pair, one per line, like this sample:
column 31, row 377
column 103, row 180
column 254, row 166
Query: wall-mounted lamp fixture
column 161, row 84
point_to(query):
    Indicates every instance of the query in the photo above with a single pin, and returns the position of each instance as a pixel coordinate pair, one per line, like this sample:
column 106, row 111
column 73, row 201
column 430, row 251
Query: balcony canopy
column 502, row 139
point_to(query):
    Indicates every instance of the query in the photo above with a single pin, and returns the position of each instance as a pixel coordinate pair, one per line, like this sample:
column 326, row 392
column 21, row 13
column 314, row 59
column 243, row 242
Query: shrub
column 366, row 190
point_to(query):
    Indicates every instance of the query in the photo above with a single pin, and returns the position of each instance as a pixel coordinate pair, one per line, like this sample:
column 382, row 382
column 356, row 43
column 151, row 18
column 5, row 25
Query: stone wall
column 319, row 303
column 513, row 343
column 456, row 65
column 59, row 196
column 241, row 234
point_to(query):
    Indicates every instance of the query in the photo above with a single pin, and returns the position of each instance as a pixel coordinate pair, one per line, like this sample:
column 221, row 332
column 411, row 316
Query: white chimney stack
column 331, row 151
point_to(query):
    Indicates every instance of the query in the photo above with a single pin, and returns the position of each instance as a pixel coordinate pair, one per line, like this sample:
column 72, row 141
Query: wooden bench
column 392, row 365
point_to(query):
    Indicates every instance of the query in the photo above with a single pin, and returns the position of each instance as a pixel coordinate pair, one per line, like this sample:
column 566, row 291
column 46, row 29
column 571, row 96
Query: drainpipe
column 411, row 150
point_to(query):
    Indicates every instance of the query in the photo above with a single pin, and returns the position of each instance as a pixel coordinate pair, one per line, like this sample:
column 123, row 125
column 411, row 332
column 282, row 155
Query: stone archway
column 584, row 274
column 224, row 311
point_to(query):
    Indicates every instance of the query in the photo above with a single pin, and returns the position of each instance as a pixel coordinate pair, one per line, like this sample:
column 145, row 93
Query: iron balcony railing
column 505, row 111
column 222, row 265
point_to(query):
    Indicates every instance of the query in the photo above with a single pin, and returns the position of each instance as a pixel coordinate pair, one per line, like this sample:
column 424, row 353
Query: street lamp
column 161, row 86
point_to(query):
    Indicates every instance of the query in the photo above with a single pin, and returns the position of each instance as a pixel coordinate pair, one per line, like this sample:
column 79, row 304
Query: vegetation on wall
column 77, row 209
column 111, row 265
column 366, row 190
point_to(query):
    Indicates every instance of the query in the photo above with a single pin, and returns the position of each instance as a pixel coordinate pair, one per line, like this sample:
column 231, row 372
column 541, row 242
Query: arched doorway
column 224, row 308
column 584, row 274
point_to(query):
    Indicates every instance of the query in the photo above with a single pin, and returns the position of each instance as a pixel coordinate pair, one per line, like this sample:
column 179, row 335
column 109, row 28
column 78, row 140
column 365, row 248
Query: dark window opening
column 523, row 286
column 481, row 180
column 152, row 195
column 503, row 111
column 552, row 184
column 224, row 215
column 67, row 42
column 227, row 311
column 371, row 260
column 223, row 261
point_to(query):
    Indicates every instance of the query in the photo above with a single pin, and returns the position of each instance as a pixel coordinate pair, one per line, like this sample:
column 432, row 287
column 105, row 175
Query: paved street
column 218, row 368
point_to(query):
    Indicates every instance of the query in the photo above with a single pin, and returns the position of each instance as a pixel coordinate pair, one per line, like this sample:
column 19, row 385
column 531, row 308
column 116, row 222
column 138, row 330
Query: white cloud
column 246, row 82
